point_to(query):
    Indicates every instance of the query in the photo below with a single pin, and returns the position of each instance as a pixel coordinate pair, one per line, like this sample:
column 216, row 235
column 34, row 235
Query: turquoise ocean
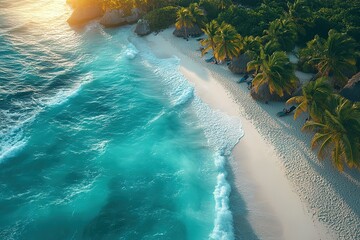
column 101, row 139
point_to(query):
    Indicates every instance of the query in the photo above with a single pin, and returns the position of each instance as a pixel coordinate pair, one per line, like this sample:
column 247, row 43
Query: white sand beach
column 280, row 189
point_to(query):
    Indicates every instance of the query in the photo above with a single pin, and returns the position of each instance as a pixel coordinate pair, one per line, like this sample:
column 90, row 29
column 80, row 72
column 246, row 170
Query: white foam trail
column 64, row 95
column 94, row 26
column 222, row 133
column 10, row 149
column 154, row 119
column 178, row 88
column 12, row 139
column 130, row 51
column 223, row 223
column 185, row 97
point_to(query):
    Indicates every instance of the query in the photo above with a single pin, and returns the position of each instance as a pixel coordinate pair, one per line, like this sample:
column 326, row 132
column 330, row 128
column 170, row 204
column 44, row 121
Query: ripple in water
column 100, row 139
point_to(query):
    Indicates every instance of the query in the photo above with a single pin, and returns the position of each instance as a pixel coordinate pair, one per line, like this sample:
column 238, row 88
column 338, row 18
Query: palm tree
column 222, row 4
column 336, row 55
column 299, row 12
column 276, row 71
column 210, row 31
column 228, row 42
column 108, row 4
column 312, row 51
column 340, row 133
column 197, row 13
column 252, row 46
column 313, row 99
column 257, row 60
column 184, row 20
column 282, row 31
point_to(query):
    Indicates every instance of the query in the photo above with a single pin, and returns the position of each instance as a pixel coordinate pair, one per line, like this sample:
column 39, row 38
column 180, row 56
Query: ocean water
column 100, row 139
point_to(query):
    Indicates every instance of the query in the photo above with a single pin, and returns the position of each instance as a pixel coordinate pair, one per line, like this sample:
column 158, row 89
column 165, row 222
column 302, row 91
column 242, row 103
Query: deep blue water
column 100, row 139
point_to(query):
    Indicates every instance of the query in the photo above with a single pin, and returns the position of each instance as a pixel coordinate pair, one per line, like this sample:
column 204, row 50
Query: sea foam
column 130, row 51
column 222, row 133
column 12, row 137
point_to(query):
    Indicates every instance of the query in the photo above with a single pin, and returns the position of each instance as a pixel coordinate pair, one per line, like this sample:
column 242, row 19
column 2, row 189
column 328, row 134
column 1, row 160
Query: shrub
column 211, row 8
column 250, row 3
column 161, row 18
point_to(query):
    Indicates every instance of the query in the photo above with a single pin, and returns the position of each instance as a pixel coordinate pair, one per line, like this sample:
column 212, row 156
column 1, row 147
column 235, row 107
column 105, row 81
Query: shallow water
column 100, row 139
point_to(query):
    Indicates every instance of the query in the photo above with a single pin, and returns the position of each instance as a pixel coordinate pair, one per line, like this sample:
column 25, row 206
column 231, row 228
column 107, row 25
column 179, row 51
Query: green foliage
column 223, row 40
column 314, row 98
column 252, row 46
column 198, row 14
column 335, row 56
column 211, row 8
column 247, row 22
column 333, row 14
column 276, row 71
column 271, row 11
column 339, row 132
column 249, row 3
column 184, row 19
column 223, row 4
column 210, row 31
column 300, row 14
column 250, row 21
column 228, row 42
column 161, row 18
column 311, row 18
column 184, row 3
column 306, row 54
column 189, row 17
column 282, row 32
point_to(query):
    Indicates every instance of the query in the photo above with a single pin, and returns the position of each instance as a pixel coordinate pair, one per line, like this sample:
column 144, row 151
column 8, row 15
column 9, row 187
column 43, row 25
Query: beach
column 279, row 188
column 108, row 135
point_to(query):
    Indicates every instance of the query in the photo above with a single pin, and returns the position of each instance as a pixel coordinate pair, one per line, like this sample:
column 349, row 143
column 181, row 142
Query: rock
column 263, row 94
column 112, row 18
column 116, row 17
column 194, row 31
column 239, row 65
column 82, row 15
column 351, row 90
column 134, row 17
column 142, row 27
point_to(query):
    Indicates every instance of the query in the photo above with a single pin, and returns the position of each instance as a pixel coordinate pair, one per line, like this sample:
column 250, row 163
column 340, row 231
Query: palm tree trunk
column 212, row 45
column 226, row 55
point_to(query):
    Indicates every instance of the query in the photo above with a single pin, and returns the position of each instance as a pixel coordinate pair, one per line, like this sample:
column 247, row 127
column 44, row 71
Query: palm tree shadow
column 346, row 185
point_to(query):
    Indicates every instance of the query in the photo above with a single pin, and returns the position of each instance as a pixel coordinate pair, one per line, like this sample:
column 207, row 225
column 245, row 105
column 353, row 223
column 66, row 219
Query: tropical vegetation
column 313, row 100
column 184, row 20
column 189, row 17
column 339, row 133
column 210, row 31
column 325, row 35
column 335, row 56
column 227, row 42
column 276, row 72
column 161, row 18
column 282, row 32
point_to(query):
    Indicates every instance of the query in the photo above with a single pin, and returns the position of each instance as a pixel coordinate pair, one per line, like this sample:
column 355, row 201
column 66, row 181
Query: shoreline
column 274, row 192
